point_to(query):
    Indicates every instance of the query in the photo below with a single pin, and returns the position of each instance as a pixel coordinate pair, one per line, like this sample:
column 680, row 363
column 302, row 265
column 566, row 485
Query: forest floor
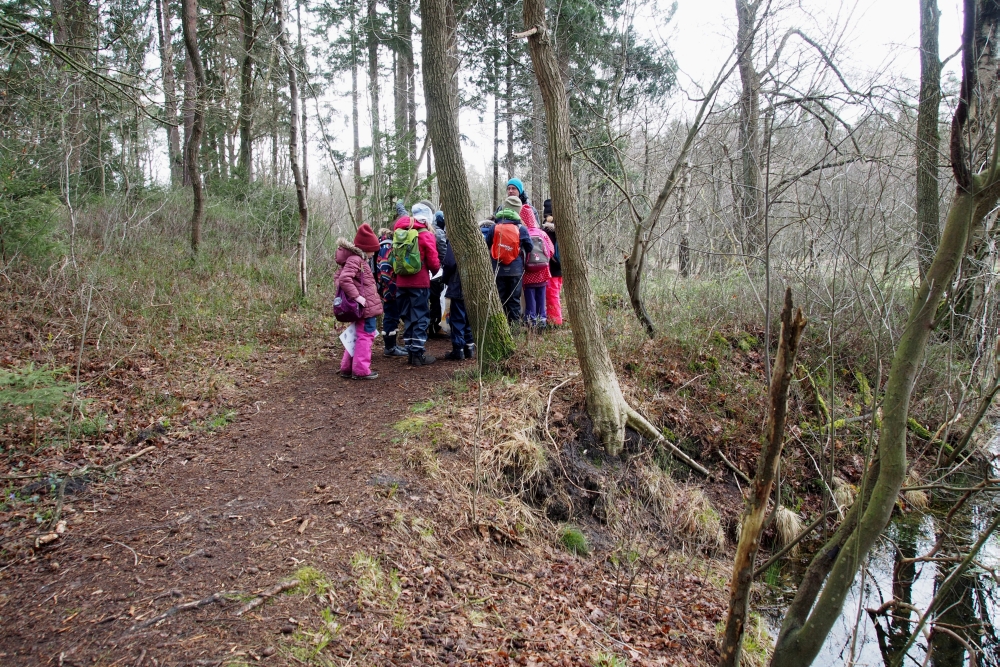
column 310, row 503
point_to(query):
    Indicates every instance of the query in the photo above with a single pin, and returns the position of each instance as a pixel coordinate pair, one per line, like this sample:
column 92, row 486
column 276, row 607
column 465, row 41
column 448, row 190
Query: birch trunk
column 293, row 147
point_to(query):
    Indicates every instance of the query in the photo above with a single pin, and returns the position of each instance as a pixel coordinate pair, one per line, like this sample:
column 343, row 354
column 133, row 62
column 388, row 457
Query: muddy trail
column 299, row 534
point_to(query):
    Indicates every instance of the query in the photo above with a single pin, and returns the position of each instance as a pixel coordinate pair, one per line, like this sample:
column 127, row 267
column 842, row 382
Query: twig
column 80, row 472
column 187, row 606
column 510, row 578
column 739, row 473
column 280, row 587
column 527, row 33
column 135, row 556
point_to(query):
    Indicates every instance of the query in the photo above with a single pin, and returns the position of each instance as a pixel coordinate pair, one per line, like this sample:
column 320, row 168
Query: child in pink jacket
column 355, row 277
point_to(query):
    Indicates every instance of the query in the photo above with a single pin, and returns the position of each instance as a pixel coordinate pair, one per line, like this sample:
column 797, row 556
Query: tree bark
column 245, row 116
column 373, row 92
column 164, row 34
column 489, row 324
column 509, row 104
column 606, row 405
column 763, row 483
column 300, row 57
column 187, row 108
column 928, row 138
column 358, row 208
column 293, row 147
column 193, row 152
column 750, row 202
column 537, row 142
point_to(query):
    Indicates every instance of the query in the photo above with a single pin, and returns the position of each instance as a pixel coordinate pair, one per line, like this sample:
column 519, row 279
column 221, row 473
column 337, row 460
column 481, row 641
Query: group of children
column 401, row 274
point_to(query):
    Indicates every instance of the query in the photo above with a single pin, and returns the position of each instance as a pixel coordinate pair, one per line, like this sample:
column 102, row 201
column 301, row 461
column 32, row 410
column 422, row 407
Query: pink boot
column 345, row 364
column 362, row 368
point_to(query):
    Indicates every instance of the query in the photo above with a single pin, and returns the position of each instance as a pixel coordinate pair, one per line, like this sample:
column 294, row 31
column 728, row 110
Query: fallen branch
column 527, row 33
column 278, row 588
column 643, row 426
column 80, row 472
column 739, row 473
column 187, row 606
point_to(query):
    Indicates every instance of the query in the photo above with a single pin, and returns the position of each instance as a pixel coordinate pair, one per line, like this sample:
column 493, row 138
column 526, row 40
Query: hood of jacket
column 404, row 223
column 344, row 251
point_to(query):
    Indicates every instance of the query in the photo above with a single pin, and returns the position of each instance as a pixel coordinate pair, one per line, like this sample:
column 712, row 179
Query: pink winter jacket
column 540, row 275
column 429, row 260
column 352, row 263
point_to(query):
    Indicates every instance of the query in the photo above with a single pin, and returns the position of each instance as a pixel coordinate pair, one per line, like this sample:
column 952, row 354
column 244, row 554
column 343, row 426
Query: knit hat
column 516, row 182
column 366, row 239
column 427, row 203
column 439, row 219
column 547, row 208
column 423, row 213
column 513, row 203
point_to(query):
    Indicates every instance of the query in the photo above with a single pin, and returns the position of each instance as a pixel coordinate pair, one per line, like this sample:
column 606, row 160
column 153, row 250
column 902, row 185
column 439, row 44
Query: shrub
column 574, row 541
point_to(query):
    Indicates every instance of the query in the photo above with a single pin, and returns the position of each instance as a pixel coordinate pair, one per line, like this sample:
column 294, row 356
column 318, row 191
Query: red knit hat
column 366, row 239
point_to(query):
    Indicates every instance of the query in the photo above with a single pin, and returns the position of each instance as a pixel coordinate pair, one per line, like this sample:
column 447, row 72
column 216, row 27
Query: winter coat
column 516, row 268
column 354, row 267
column 451, row 277
column 440, row 241
column 429, row 260
column 540, row 275
column 555, row 264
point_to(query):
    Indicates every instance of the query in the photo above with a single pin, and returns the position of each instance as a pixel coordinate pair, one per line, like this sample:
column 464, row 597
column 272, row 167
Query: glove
column 361, row 300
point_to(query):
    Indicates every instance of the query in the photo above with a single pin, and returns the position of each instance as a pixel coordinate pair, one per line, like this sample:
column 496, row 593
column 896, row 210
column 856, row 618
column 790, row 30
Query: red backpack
column 506, row 242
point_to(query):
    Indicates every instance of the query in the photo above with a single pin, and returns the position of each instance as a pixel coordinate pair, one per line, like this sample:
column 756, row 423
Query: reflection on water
column 900, row 582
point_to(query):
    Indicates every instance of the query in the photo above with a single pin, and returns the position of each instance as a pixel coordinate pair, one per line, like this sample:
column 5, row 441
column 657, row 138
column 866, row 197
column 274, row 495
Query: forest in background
column 791, row 171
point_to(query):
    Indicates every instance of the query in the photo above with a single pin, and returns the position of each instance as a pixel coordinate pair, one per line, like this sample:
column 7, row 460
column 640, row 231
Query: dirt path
column 234, row 511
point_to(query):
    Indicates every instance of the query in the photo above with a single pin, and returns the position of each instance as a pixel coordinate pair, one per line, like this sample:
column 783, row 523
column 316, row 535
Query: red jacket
column 429, row 260
column 352, row 263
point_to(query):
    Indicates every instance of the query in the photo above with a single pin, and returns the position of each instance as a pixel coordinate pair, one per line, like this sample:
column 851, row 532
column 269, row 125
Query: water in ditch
column 969, row 614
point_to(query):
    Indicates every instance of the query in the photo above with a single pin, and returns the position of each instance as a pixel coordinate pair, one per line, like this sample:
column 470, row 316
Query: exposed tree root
column 641, row 425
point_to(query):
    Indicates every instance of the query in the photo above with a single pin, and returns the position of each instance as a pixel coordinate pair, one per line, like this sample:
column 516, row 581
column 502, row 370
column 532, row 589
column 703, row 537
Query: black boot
column 421, row 358
column 457, row 353
column 391, row 349
column 470, row 351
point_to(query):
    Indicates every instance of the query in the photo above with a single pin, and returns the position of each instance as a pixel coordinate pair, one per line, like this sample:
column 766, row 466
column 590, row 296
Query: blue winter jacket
column 451, row 277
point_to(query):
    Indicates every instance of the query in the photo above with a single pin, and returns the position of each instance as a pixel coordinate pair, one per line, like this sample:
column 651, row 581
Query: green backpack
column 406, row 251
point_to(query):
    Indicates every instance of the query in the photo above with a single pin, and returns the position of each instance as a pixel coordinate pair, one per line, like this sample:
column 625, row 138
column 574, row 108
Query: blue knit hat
column 423, row 213
column 516, row 182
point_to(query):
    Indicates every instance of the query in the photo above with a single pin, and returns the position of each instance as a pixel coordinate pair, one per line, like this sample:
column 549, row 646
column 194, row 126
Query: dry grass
column 843, row 493
column 788, row 524
column 917, row 499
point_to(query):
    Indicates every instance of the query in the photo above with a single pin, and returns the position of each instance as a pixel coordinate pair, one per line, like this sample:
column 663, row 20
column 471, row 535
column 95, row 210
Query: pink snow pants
column 553, row 307
column 361, row 363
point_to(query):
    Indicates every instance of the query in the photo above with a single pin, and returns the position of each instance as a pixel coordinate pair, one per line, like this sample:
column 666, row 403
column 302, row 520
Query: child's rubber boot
column 457, row 353
column 421, row 358
column 370, row 376
column 470, row 351
column 391, row 349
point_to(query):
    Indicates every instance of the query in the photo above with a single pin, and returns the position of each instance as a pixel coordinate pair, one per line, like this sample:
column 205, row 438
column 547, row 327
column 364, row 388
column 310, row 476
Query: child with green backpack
column 414, row 259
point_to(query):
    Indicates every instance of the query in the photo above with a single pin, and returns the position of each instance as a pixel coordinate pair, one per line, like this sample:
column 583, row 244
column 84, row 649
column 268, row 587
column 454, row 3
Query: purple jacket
column 352, row 264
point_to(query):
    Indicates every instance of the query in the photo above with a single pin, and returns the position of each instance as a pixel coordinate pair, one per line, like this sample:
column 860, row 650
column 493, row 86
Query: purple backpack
column 346, row 309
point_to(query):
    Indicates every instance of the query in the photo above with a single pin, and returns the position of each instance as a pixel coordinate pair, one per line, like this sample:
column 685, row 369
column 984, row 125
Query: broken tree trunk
column 763, row 483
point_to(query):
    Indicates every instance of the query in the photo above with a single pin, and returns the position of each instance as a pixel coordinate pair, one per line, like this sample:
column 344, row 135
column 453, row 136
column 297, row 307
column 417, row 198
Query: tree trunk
column 509, row 103
column 373, row 92
column 928, row 138
column 293, row 147
column 763, row 483
column 605, row 403
column 358, row 208
column 405, row 123
column 164, row 34
column 489, row 324
column 189, row 103
column 245, row 117
column 537, row 142
column 300, row 55
column 496, row 148
column 750, row 201
column 190, row 25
